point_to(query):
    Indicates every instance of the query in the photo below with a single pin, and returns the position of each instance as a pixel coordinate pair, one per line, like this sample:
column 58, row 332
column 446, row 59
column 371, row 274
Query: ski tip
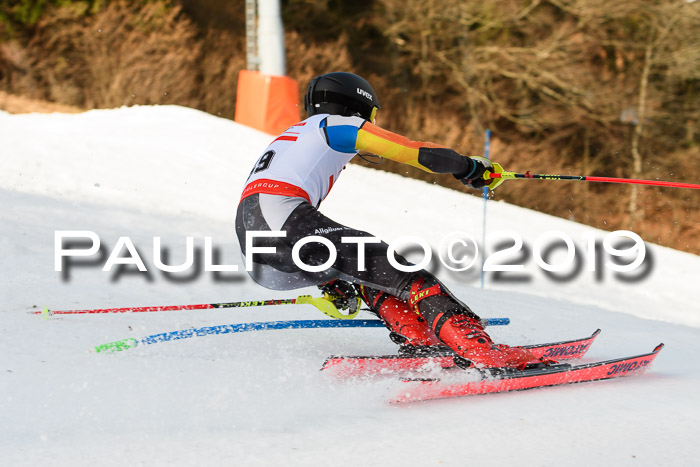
column 330, row 362
column 658, row 348
column 595, row 333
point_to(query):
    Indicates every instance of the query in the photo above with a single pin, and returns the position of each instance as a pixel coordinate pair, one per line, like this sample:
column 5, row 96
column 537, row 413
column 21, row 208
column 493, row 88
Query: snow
column 258, row 398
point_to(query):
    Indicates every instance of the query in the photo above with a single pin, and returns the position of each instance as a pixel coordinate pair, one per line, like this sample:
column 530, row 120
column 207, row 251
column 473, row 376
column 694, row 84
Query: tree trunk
column 636, row 212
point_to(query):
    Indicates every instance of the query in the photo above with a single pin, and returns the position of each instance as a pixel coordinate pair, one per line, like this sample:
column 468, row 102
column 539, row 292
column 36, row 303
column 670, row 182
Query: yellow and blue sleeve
column 426, row 156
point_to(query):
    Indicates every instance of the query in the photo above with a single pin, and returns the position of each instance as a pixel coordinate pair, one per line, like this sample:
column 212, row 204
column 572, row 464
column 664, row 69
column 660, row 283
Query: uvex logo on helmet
column 364, row 93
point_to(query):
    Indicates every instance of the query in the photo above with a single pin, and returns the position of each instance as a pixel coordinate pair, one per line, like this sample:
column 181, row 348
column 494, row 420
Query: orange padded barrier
column 267, row 103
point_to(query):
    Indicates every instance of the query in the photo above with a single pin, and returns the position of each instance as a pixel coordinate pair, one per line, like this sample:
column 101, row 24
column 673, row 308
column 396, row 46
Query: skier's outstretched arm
column 427, row 156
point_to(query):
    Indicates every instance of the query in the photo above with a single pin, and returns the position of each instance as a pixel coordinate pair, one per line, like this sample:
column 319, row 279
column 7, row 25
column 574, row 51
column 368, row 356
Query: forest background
column 587, row 87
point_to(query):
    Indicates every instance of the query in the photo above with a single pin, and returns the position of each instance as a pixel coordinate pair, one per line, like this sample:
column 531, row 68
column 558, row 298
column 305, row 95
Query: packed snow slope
column 258, row 398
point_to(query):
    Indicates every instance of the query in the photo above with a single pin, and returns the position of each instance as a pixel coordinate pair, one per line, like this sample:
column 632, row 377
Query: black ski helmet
column 341, row 93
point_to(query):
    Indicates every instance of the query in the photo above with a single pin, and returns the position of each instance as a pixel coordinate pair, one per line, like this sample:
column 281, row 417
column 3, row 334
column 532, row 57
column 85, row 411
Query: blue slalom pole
column 485, row 191
column 261, row 326
column 131, row 342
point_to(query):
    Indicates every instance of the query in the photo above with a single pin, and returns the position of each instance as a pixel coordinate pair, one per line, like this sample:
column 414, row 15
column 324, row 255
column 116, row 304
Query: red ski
column 350, row 366
column 503, row 380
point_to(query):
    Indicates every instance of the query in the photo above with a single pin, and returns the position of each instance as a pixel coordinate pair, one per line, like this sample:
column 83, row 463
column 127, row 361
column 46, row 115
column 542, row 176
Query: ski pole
column 324, row 304
column 129, row 343
column 512, row 175
column 485, row 193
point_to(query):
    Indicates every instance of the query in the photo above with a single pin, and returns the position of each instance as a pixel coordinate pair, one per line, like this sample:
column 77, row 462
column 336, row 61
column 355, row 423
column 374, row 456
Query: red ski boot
column 460, row 328
column 466, row 336
column 408, row 328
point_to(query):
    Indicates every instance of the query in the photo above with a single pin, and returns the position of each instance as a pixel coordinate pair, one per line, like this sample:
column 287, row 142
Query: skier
column 296, row 172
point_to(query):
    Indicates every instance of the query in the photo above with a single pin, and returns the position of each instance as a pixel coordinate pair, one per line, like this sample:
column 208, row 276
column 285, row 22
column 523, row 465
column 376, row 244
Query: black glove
column 343, row 293
column 474, row 177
